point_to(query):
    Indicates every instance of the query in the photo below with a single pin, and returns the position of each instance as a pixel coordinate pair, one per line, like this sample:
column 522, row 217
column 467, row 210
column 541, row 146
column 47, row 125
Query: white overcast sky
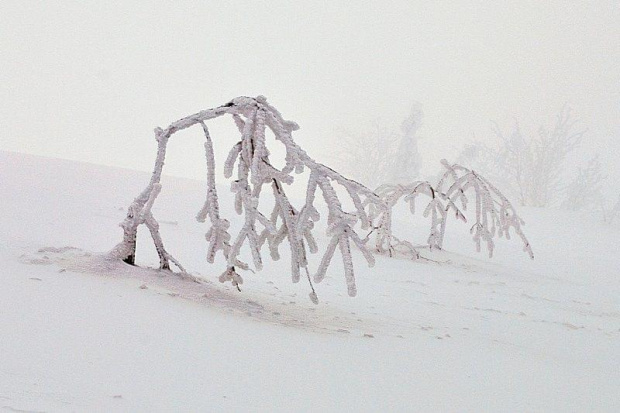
column 89, row 80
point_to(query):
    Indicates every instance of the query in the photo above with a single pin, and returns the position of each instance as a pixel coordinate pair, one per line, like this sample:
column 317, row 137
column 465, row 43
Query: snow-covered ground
column 458, row 332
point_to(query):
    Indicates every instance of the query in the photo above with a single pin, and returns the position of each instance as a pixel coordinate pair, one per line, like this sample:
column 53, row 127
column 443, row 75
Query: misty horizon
column 90, row 81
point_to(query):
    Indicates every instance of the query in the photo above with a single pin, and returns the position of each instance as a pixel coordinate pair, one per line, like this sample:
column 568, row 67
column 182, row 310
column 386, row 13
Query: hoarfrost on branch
column 494, row 215
column 255, row 176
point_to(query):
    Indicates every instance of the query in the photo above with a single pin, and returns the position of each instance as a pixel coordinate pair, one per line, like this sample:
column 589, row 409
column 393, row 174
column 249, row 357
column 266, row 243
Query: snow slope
column 458, row 332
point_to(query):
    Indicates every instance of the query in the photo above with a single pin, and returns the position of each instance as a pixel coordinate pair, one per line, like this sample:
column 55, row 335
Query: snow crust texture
column 448, row 332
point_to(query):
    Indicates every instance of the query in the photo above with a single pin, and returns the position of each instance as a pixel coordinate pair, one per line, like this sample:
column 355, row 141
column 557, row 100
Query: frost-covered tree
column 366, row 156
column 255, row 178
column 407, row 162
column 493, row 216
column 586, row 189
column 529, row 166
column 480, row 157
column 381, row 154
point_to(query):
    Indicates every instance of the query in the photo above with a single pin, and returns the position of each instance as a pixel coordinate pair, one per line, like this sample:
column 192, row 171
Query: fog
column 90, row 80
column 491, row 286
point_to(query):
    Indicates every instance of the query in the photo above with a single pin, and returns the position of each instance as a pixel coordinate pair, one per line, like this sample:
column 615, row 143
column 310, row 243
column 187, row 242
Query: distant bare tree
column 366, row 156
column 586, row 189
column 531, row 167
column 407, row 162
column 381, row 154
column 534, row 164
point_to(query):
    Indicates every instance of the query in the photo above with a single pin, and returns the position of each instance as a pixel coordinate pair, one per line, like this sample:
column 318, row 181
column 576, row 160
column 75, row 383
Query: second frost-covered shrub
column 493, row 215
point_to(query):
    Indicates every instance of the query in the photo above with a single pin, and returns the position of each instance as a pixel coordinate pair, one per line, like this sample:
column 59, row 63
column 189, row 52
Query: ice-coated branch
column 250, row 156
column 494, row 215
column 340, row 227
column 437, row 208
column 217, row 236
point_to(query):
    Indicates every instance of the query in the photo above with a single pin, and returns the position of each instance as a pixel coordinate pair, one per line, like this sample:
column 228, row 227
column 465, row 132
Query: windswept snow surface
column 457, row 332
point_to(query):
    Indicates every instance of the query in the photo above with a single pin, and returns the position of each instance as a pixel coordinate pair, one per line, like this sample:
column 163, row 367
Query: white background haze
column 89, row 80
